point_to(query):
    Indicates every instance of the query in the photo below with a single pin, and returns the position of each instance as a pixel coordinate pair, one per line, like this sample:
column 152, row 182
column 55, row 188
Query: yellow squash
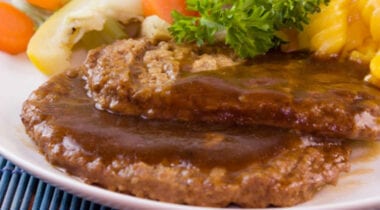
column 50, row 48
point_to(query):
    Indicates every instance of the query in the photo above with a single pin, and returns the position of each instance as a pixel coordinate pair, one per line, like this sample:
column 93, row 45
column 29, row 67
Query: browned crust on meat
column 287, row 179
column 329, row 100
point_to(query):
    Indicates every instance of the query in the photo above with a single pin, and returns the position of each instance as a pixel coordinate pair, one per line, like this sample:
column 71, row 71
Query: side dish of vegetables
column 329, row 28
column 249, row 26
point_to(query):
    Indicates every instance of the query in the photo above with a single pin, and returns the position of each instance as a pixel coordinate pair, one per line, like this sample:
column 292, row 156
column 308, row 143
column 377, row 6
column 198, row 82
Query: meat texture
column 175, row 82
column 103, row 149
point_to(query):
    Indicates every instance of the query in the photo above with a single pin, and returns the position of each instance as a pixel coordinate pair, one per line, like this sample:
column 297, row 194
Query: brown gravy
column 74, row 117
column 294, row 91
column 364, row 151
column 196, row 163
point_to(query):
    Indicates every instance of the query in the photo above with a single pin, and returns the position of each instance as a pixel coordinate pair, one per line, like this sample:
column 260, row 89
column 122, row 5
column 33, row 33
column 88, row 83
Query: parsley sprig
column 248, row 26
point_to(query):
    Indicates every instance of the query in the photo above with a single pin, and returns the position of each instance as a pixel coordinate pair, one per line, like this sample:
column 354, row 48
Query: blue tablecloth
column 19, row 190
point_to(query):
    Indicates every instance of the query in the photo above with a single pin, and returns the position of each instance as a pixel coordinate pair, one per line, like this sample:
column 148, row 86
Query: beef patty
column 197, row 164
column 168, row 81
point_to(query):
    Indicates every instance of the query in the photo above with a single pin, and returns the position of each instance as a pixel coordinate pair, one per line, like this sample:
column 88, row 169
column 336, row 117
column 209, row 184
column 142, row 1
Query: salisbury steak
column 197, row 164
column 168, row 81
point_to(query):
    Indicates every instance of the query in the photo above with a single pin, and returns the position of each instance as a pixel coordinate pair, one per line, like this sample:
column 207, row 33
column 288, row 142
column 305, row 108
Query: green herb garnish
column 247, row 26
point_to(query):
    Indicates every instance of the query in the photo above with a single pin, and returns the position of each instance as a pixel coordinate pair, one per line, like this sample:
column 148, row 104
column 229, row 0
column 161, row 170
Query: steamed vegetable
column 163, row 8
column 248, row 26
column 16, row 29
column 155, row 28
column 48, row 4
column 51, row 46
column 38, row 15
column 112, row 30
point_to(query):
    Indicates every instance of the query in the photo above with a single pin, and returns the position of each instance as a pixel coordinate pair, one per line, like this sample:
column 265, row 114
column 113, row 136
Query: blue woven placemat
column 19, row 190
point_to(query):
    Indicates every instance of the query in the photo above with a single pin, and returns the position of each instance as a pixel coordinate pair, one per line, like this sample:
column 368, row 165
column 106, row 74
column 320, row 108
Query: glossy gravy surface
column 293, row 91
column 73, row 117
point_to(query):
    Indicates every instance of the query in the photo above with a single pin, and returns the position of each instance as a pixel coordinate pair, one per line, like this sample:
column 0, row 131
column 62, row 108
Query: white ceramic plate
column 359, row 189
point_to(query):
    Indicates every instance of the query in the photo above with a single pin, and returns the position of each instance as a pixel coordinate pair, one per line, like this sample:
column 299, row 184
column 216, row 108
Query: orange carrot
column 163, row 8
column 48, row 4
column 16, row 29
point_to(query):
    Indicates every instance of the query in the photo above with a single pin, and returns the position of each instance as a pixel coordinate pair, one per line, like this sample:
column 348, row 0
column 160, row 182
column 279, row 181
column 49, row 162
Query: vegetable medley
column 249, row 26
column 329, row 28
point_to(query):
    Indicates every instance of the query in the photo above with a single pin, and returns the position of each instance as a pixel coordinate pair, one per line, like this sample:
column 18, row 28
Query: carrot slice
column 163, row 8
column 48, row 4
column 16, row 29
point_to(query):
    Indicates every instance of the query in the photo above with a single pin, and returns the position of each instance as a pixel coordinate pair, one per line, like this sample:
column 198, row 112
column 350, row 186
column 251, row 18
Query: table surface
column 19, row 190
